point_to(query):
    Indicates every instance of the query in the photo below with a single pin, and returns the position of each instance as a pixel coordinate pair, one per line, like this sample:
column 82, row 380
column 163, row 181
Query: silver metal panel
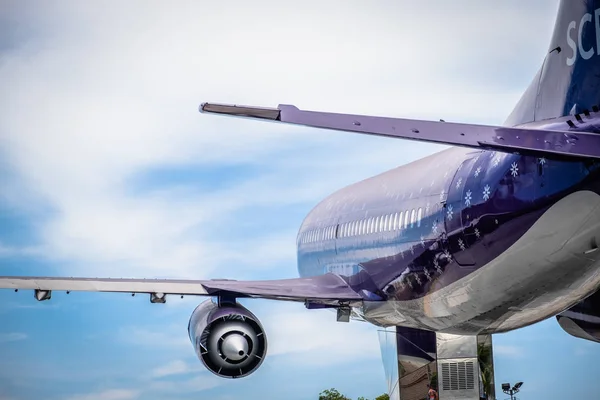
column 389, row 356
column 456, row 346
column 458, row 367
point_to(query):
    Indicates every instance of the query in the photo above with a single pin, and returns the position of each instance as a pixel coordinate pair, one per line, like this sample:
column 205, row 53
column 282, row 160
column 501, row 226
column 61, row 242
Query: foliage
column 484, row 355
column 333, row 394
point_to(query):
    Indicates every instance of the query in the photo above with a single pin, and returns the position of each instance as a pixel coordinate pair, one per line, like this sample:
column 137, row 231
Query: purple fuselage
column 414, row 230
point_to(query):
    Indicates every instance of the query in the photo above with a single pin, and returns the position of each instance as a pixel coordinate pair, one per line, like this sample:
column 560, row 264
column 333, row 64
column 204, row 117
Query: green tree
column 332, row 394
column 484, row 354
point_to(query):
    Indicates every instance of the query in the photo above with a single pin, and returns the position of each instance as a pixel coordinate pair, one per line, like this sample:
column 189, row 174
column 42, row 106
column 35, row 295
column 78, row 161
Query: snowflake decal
column 477, row 172
column 450, row 212
column 486, row 192
column 418, row 279
column 468, row 197
column 442, row 194
column 427, row 209
column 514, row 169
column 448, row 255
column 458, row 183
column 477, row 233
column 496, row 162
column 434, row 228
column 422, row 241
column 542, row 161
column 461, row 244
column 436, row 265
column 427, row 275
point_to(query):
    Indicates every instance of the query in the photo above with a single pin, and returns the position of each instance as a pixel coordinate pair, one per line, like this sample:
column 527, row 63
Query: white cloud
column 109, row 104
column 315, row 337
column 12, row 251
column 12, row 337
column 112, row 394
column 163, row 336
column 197, row 384
column 177, row 367
column 508, row 350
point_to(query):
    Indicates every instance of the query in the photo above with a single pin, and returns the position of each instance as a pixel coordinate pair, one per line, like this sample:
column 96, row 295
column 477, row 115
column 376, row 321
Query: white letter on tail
column 571, row 43
column 585, row 54
column 597, row 14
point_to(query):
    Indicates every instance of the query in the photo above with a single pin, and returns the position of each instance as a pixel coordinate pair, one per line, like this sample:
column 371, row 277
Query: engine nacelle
column 583, row 319
column 229, row 340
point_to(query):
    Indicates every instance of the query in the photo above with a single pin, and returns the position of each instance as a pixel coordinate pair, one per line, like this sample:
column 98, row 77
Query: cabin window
column 406, row 220
column 390, row 222
column 384, row 222
column 362, row 226
column 419, row 216
column 354, row 227
column 413, row 216
column 400, row 220
column 377, row 224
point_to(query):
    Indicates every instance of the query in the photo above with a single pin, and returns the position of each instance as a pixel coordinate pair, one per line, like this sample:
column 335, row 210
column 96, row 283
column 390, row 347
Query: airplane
column 498, row 232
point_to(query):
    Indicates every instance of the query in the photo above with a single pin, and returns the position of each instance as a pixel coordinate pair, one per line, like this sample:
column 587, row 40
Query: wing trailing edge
column 498, row 138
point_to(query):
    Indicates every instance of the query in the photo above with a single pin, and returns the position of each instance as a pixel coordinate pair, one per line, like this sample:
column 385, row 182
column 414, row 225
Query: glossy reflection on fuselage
column 423, row 228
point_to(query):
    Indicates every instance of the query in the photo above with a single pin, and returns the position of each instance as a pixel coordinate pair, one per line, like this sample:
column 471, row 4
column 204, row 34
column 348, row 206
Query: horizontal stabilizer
column 326, row 289
column 498, row 138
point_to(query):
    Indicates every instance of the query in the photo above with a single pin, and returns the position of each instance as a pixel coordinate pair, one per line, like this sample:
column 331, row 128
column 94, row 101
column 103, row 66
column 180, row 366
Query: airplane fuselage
column 463, row 241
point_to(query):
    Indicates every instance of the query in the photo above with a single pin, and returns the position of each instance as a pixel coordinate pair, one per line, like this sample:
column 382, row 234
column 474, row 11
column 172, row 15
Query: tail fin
column 568, row 82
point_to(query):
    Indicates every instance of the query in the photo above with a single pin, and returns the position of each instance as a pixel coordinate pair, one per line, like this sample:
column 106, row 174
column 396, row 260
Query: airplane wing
column 498, row 138
column 323, row 289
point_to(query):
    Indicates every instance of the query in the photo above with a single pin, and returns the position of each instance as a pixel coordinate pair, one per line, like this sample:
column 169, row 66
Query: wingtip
column 240, row 111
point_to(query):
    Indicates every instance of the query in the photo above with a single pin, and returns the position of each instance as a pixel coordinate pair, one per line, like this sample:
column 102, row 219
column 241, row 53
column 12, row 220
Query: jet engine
column 583, row 319
column 228, row 339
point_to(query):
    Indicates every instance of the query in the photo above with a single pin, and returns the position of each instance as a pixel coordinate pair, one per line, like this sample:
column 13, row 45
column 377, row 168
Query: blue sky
column 107, row 169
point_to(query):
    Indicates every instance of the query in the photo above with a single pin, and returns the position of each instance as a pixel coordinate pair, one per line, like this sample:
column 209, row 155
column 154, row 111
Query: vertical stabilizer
column 568, row 81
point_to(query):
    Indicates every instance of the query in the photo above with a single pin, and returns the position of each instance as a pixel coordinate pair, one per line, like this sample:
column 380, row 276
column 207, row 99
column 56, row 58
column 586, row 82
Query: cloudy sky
column 108, row 169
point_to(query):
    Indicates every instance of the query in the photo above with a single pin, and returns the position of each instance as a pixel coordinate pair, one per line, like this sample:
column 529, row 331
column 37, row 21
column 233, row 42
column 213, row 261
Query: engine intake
column 229, row 340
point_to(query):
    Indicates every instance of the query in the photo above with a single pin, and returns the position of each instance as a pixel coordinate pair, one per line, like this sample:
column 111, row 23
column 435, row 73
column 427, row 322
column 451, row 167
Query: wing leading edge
column 324, row 289
column 542, row 141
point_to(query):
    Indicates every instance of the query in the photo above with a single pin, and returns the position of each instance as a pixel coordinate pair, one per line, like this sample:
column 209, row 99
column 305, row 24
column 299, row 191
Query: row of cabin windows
column 366, row 226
